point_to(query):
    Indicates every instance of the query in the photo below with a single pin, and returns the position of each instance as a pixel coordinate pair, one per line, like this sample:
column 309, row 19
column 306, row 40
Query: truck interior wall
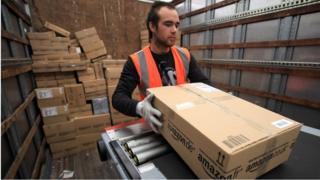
column 304, row 26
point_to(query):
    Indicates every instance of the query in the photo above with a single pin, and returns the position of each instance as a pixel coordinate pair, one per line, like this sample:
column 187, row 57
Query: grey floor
column 84, row 165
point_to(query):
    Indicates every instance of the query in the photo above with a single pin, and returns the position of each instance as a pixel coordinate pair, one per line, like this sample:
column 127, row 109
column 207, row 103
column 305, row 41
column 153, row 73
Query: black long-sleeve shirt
column 129, row 79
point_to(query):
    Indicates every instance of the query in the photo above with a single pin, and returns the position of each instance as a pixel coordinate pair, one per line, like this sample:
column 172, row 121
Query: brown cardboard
column 80, row 143
column 85, row 33
column 222, row 136
column 72, row 65
column 63, row 82
column 41, row 35
column 64, row 75
column 86, row 75
column 96, row 53
column 45, row 67
column 89, row 40
column 92, row 46
column 113, row 73
column 96, row 94
column 91, row 123
column 47, row 93
column 94, row 85
column 60, row 131
column 57, row 29
column 54, row 111
column 75, row 109
column 78, row 111
column 75, row 94
column 48, row 97
column 55, row 119
column 46, row 84
column 114, row 62
column 44, row 76
column 98, row 69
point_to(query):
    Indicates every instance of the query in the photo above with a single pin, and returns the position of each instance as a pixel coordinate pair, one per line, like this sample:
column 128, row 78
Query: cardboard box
column 91, row 124
column 114, row 63
column 54, row 111
column 75, row 94
column 85, row 33
column 55, row 119
column 64, row 75
column 46, row 84
column 45, row 67
column 98, row 69
column 78, row 111
column 44, row 76
column 89, row 47
column 57, row 29
column 60, row 132
column 41, row 35
column 68, row 65
column 64, row 82
column 86, row 75
column 48, row 97
column 113, row 73
column 96, row 53
column 96, row 94
column 94, row 85
column 89, row 40
column 222, row 136
column 80, row 143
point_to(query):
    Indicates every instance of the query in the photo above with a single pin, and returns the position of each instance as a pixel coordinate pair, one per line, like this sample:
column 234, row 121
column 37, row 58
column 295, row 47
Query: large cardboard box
column 113, row 74
column 48, row 97
column 222, row 136
column 75, row 94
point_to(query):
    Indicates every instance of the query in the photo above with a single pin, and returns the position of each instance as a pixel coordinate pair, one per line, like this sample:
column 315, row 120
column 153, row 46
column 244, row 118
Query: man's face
column 166, row 32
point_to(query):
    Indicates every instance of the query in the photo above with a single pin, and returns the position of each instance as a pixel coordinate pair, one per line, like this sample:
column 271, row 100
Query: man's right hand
column 150, row 114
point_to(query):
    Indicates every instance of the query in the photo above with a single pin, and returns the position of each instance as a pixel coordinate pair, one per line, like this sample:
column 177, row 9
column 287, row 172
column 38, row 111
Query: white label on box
column 205, row 87
column 186, row 105
column 78, row 50
column 44, row 94
column 50, row 111
column 281, row 123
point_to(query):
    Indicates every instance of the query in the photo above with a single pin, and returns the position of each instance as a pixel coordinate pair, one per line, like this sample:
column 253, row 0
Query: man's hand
column 150, row 114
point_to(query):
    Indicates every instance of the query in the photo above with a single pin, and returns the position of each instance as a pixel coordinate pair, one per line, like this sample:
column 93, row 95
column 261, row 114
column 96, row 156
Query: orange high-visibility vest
column 148, row 71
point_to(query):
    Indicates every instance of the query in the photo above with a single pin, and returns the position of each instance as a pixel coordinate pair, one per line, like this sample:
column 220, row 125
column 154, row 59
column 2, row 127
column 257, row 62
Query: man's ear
column 152, row 27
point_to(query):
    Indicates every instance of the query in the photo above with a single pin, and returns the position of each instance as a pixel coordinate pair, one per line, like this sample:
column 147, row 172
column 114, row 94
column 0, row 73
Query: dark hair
column 153, row 16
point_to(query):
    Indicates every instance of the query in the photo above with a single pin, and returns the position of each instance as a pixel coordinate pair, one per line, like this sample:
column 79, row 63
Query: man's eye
column 168, row 24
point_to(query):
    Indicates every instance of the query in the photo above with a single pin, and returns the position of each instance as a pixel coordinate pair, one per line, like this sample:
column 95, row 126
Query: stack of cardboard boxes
column 69, row 125
column 72, row 91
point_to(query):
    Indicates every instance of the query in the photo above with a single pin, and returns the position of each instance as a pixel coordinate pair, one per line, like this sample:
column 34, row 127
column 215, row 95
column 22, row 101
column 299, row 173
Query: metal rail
column 289, row 4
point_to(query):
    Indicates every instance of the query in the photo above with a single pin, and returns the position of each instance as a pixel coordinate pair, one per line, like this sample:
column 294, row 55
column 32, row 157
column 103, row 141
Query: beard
column 164, row 42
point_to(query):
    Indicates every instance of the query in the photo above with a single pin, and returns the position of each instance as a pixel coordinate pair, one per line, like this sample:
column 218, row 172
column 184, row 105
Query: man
column 159, row 64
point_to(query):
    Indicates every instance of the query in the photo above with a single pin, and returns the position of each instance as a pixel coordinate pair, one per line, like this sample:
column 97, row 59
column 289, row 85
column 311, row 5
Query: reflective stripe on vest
column 148, row 71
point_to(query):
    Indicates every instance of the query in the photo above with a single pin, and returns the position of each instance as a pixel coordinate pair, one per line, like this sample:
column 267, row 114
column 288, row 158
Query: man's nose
column 174, row 29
